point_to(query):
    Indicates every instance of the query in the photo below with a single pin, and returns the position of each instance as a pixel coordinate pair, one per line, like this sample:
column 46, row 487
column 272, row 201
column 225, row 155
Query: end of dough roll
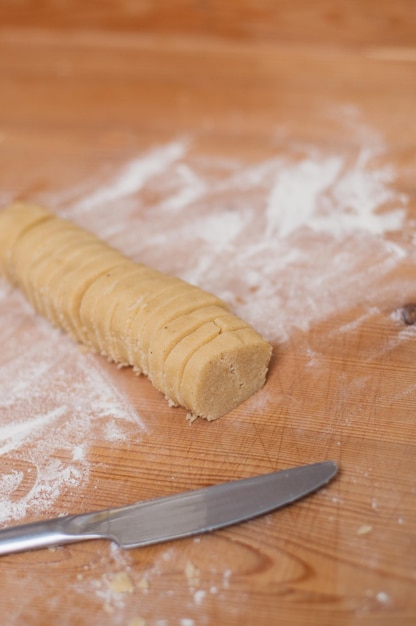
column 225, row 372
column 196, row 352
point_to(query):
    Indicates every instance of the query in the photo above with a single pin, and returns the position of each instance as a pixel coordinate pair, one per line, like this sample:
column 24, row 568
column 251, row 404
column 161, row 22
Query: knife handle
column 40, row 535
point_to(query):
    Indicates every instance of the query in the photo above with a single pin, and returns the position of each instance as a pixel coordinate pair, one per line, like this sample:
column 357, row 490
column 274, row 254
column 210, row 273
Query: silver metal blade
column 203, row 510
column 175, row 516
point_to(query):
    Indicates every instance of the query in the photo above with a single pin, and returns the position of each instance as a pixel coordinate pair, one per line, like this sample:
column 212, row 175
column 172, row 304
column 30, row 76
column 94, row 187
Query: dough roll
column 186, row 340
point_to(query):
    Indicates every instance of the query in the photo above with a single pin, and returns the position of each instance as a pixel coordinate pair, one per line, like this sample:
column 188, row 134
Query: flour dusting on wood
column 287, row 242
column 54, row 403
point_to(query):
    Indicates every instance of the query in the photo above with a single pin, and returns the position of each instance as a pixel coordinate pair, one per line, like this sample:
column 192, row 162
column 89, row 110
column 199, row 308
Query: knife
column 176, row 516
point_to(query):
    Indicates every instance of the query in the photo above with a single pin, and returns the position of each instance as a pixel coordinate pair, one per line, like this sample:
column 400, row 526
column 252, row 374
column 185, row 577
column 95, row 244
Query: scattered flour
column 132, row 177
column 199, row 596
column 383, row 597
column 286, row 241
column 54, row 403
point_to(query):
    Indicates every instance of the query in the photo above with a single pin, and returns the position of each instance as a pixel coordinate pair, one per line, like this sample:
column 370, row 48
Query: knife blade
column 172, row 517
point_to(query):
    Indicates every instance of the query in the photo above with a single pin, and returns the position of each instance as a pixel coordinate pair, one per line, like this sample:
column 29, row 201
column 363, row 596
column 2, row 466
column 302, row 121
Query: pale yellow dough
column 194, row 350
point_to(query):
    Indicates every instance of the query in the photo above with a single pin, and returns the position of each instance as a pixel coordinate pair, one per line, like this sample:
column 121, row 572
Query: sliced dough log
column 195, row 351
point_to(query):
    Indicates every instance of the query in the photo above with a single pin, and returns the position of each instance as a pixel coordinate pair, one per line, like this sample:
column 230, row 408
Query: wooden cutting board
column 271, row 160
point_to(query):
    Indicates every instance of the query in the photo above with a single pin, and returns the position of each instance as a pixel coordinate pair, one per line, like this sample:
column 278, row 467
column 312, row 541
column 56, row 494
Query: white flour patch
column 54, row 404
column 132, row 177
column 291, row 202
column 12, row 435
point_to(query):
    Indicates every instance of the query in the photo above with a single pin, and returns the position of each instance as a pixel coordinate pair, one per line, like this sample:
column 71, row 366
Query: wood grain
column 85, row 91
column 323, row 21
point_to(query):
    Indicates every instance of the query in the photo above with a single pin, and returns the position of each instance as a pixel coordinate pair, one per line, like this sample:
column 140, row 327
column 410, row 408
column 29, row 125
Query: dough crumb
column 143, row 583
column 137, row 621
column 122, row 583
column 192, row 574
column 364, row 529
